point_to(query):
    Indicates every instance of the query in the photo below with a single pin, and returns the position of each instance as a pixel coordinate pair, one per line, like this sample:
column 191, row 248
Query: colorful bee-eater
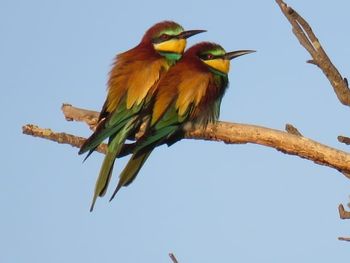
column 131, row 85
column 191, row 91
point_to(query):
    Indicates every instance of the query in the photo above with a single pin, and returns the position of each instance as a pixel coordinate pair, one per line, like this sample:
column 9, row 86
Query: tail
column 104, row 177
column 114, row 147
column 131, row 170
column 141, row 151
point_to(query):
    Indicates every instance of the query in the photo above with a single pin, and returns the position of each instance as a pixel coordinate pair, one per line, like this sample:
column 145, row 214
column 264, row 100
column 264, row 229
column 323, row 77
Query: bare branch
column 87, row 116
column 72, row 113
column 230, row 133
column 60, row 137
column 342, row 213
column 344, row 139
column 282, row 141
column 309, row 41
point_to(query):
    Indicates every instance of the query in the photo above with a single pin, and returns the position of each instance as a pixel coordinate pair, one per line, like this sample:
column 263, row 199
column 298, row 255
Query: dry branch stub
column 303, row 31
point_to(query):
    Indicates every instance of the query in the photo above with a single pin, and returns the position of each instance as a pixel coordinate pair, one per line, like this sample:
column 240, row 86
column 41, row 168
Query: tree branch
column 344, row 139
column 309, row 41
column 76, row 114
column 230, row 133
column 342, row 213
column 60, row 137
column 344, row 239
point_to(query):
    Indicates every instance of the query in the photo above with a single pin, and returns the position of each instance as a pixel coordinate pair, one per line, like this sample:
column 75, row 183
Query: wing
column 133, row 76
column 182, row 89
column 132, row 79
column 179, row 94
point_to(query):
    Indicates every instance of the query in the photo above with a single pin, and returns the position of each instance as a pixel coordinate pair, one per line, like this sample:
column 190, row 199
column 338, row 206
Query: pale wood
column 307, row 38
column 230, row 133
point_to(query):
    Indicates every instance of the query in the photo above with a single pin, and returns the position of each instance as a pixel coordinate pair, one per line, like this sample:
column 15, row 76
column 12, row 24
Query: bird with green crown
column 190, row 92
column 131, row 85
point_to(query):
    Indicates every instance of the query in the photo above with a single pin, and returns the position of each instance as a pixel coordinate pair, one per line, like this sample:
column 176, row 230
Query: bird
column 132, row 81
column 190, row 92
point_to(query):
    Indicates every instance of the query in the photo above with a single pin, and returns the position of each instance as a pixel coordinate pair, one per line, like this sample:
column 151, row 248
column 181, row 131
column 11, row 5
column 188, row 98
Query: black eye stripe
column 163, row 38
column 209, row 56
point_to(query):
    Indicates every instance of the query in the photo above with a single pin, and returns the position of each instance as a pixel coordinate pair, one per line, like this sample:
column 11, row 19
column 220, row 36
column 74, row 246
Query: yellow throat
column 173, row 45
column 220, row 64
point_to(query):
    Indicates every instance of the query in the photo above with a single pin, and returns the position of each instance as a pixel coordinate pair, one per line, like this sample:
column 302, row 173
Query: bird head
column 215, row 57
column 168, row 38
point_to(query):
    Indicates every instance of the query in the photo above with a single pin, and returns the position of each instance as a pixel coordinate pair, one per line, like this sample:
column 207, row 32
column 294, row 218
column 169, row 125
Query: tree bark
column 229, row 133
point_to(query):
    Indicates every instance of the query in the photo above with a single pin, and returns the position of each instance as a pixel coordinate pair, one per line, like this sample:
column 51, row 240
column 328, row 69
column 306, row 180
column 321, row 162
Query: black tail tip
column 92, row 207
column 112, row 197
column 115, row 192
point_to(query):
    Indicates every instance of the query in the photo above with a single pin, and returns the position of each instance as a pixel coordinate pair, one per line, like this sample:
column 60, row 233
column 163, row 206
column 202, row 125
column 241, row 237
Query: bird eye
column 207, row 56
column 164, row 37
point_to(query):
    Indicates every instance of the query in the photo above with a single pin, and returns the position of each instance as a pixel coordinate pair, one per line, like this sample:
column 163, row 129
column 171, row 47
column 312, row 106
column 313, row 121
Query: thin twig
column 309, row 41
column 60, row 137
column 342, row 213
column 292, row 130
column 344, row 139
column 173, row 258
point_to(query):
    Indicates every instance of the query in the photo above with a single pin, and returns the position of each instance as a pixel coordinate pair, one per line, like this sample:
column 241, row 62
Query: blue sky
column 204, row 201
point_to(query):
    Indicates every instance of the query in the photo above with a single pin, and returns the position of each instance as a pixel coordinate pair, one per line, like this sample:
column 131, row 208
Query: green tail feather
column 154, row 140
column 104, row 177
column 141, row 152
column 114, row 147
column 131, row 170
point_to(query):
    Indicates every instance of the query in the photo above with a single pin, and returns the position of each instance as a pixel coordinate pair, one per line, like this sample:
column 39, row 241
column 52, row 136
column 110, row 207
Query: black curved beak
column 189, row 33
column 238, row 53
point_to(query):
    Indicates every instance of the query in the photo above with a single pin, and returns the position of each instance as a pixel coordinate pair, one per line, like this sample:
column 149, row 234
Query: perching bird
column 191, row 91
column 131, row 85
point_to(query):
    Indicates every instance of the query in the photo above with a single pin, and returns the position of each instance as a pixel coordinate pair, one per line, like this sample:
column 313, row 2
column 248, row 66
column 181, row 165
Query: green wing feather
column 108, row 127
column 141, row 154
